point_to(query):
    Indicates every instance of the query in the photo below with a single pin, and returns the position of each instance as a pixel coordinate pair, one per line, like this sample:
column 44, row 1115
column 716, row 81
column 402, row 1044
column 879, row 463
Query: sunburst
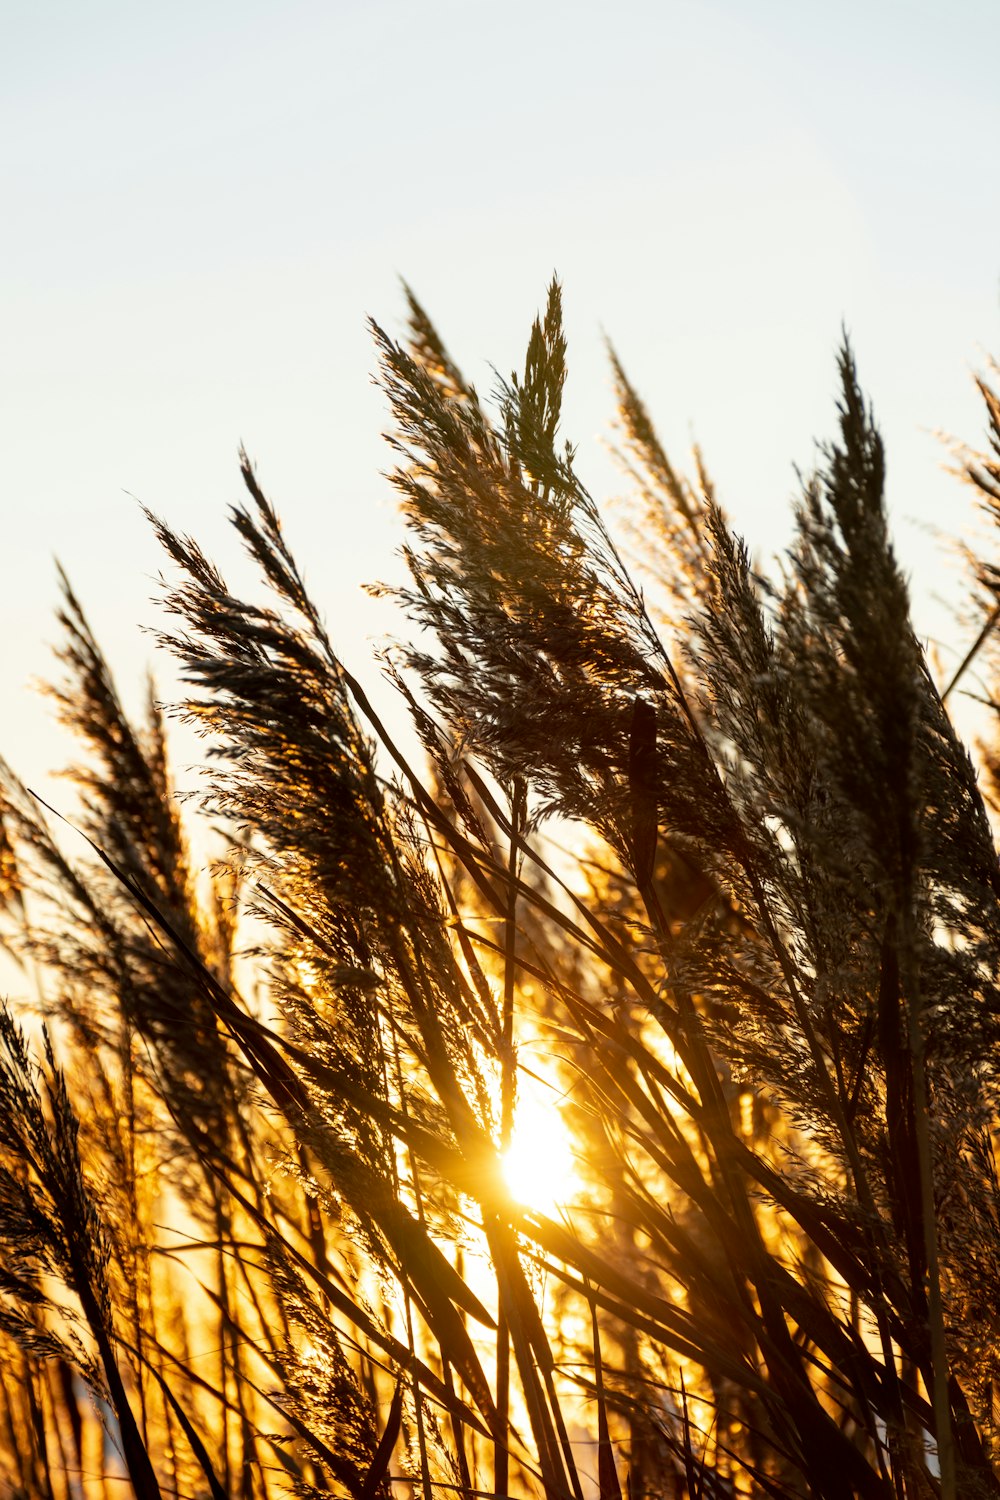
column 539, row 1165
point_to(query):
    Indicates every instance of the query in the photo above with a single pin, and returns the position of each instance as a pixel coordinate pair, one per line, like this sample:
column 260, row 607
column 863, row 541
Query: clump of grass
column 267, row 1223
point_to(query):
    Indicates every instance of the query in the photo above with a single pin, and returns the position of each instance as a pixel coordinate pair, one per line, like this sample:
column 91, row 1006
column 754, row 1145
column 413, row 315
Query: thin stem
column 501, row 1460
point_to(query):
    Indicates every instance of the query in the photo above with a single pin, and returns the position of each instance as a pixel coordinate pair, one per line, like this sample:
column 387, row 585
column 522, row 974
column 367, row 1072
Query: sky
column 204, row 202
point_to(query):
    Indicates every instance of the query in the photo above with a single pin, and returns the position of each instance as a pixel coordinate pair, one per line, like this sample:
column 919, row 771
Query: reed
column 692, row 891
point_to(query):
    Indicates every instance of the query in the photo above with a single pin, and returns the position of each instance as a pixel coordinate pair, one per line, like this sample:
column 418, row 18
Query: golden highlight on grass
column 606, row 1104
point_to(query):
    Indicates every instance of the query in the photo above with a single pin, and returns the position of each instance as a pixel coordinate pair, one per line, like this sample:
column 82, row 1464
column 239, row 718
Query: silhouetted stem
column 501, row 1461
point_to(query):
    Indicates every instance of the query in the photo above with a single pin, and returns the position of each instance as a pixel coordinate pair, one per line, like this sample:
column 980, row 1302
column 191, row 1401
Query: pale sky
column 203, row 201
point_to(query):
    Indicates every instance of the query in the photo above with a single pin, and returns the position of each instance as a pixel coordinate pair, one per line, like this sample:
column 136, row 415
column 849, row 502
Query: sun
column 539, row 1166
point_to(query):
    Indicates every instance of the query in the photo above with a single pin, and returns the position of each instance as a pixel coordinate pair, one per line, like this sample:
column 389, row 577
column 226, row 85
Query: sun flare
column 539, row 1166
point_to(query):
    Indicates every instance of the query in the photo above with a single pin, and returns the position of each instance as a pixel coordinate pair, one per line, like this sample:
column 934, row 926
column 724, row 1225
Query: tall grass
column 703, row 896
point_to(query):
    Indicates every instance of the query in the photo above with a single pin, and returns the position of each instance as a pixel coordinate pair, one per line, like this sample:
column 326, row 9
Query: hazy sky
column 203, row 201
